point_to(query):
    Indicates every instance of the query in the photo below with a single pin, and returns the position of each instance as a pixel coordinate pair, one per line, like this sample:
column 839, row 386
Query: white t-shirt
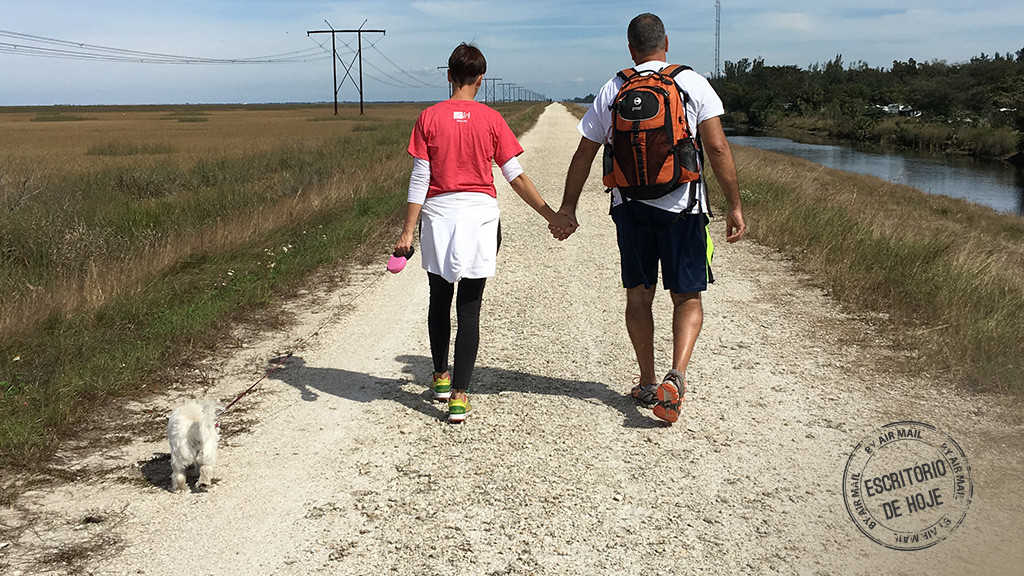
column 704, row 103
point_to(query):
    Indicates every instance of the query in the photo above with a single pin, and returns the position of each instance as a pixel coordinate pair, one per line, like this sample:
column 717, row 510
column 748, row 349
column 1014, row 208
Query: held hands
column 563, row 224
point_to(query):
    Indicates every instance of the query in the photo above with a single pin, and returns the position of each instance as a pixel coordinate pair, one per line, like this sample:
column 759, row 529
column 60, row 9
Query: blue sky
column 560, row 49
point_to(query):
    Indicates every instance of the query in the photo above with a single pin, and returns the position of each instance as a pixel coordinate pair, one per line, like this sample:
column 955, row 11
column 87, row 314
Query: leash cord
column 299, row 344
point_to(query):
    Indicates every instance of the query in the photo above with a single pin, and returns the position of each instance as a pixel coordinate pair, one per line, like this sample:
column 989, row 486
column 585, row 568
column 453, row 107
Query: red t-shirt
column 460, row 138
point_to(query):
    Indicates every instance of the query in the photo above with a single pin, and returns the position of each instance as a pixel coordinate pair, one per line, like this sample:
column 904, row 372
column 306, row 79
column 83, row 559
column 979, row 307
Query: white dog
column 193, row 434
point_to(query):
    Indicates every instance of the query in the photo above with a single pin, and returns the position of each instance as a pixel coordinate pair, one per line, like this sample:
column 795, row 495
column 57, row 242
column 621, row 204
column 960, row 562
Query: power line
column 397, row 82
column 42, row 46
column 400, row 69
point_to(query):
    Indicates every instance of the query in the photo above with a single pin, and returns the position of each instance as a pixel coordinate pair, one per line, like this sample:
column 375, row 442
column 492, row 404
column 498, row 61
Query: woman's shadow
column 311, row 382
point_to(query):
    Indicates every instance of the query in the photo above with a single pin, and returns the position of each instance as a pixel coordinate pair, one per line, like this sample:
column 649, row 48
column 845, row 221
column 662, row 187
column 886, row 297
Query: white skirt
column 459, row 235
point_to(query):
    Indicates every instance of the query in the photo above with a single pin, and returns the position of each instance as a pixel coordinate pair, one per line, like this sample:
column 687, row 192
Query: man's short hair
column 465, row 64
column 646, row 34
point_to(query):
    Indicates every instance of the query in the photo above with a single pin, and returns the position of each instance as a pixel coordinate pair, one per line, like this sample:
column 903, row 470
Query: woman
column 452, row 145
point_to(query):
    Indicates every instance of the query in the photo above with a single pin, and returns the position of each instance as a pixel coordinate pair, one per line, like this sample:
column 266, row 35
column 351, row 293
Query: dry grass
column 946, row 271
column 114, row 264
column 577, row 110
column 84, row 262
column 65, row 145
column 130, row 238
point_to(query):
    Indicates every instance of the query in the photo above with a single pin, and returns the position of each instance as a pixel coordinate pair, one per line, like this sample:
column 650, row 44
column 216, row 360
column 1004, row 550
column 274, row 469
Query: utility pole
column 492, row 81
column 359, row 54
column 504, row 90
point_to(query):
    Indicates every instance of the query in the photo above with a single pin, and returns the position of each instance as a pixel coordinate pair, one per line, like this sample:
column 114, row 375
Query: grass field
column 129, row 237
column 65, row 137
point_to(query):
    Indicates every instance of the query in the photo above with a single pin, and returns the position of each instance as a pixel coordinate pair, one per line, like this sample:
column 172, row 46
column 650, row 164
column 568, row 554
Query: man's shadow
column 312, row 381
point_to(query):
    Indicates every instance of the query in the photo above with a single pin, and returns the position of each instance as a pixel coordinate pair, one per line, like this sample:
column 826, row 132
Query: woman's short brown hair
column 465, row 64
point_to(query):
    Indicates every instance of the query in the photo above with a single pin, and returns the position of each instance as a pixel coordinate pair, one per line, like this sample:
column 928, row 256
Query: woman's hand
column 404, row 244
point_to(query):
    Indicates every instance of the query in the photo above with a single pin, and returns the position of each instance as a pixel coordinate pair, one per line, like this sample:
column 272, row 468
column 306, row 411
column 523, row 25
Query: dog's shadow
column 311, row 381
column 157, row 471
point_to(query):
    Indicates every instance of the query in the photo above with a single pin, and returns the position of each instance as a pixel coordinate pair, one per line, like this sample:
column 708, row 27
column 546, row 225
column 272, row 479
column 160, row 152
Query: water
column 993, row 184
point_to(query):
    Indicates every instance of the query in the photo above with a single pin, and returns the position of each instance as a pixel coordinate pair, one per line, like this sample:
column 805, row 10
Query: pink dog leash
column 397, row 263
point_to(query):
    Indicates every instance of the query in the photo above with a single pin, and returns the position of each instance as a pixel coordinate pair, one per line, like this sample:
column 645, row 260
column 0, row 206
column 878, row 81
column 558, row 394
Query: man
column 650, row 231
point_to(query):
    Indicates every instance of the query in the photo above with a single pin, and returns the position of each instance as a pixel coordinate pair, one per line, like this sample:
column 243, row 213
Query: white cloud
column 801, row 22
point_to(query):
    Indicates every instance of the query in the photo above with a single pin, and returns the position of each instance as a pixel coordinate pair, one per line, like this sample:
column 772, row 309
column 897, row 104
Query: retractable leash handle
column 396, row 263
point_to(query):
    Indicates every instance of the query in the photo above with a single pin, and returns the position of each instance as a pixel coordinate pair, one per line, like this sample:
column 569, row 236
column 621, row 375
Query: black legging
column 439, row 326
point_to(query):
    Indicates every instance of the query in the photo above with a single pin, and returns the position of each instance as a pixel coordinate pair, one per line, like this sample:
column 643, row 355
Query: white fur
column 193, row 434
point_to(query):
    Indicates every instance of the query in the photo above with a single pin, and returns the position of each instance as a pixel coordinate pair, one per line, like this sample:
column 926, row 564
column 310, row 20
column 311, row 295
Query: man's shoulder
column 688, row 74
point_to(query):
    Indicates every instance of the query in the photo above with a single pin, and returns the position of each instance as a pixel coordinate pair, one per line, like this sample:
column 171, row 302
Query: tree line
column 974, row 107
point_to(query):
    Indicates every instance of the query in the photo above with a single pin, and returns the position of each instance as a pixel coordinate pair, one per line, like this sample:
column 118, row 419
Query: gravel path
column 340, row 463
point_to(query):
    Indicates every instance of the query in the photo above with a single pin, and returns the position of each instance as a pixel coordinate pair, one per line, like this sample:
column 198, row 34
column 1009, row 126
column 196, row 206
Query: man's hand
column 735, row 227
column 579, row 169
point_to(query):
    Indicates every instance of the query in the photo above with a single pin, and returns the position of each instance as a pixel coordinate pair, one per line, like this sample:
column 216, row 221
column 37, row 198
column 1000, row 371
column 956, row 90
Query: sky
column 559, row 49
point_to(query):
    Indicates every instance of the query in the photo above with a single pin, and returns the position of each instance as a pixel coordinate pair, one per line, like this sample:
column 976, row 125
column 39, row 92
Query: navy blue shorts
column 648, row 235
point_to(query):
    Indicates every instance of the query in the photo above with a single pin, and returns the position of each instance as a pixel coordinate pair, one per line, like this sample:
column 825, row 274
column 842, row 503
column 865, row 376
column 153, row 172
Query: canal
column 995, row 184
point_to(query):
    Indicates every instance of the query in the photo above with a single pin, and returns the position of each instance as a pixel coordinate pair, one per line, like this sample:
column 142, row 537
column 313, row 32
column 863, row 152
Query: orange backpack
column 652, row 151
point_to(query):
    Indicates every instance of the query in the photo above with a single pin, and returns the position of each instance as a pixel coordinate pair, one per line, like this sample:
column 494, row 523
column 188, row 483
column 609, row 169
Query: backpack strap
column 627, row 73
column 673, row 69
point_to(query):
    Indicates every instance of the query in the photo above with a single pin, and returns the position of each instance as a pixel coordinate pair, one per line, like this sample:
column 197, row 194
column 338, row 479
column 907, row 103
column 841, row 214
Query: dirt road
column 340, row 463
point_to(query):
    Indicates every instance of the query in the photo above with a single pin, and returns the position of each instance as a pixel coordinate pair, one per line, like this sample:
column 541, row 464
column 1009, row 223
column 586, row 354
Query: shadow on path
column 311, row 381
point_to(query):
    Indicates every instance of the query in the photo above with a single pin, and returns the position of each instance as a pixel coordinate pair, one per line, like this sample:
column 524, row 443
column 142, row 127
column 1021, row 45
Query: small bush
column 58, row 117
column 128, row 149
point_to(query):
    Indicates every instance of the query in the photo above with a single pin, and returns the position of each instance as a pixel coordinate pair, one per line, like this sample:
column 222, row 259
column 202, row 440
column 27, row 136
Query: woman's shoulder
column 493, row 115
column 433, row 109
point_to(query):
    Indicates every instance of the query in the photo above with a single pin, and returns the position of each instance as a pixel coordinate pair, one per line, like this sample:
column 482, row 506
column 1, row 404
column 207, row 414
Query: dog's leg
column 205, row 477
column 206, row 463
column 177, row 476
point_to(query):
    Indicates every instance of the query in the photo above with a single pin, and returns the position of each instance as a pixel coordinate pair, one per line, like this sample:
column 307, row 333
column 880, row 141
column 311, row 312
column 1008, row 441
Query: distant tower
column 718, row 38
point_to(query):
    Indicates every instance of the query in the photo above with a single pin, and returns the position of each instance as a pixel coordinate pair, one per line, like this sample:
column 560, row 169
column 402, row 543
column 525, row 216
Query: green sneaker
column 442, row 386
column 458, row 410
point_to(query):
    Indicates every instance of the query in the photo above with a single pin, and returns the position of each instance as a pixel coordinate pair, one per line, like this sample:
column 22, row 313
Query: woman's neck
column 466, row 91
